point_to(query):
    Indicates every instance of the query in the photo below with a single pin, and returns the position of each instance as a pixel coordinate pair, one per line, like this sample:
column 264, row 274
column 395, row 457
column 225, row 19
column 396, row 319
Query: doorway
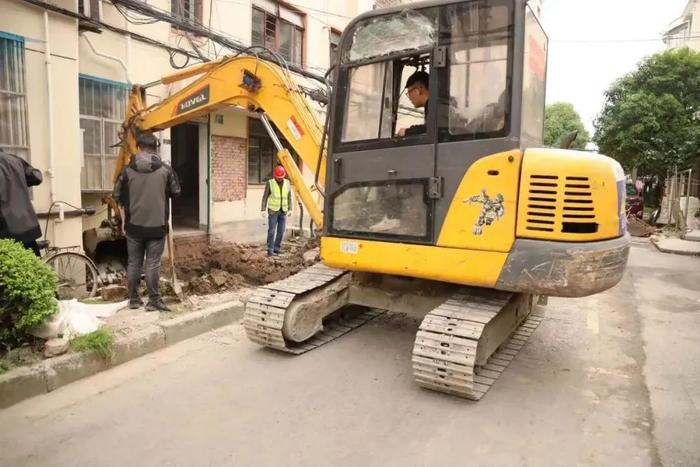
column 185, row 161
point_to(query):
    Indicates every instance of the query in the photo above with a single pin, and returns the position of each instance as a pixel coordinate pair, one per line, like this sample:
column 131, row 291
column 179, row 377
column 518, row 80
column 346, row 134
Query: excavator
column 466, row 220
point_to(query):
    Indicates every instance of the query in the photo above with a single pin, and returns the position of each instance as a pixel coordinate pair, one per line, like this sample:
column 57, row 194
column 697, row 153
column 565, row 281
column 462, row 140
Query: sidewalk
column 135, row 334
column 690, row 245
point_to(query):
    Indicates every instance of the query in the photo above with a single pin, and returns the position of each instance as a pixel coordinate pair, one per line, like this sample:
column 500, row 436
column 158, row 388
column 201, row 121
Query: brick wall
column 229, row 156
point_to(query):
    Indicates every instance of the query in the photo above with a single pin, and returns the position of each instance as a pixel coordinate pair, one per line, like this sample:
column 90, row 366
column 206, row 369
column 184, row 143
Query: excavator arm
column 248, row 82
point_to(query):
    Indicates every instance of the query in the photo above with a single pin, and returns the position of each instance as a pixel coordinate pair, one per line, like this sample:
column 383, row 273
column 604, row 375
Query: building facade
column 684, row 31
column 67, row 68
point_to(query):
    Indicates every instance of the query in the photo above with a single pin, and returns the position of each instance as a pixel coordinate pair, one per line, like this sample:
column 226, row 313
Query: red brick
column 228, row 168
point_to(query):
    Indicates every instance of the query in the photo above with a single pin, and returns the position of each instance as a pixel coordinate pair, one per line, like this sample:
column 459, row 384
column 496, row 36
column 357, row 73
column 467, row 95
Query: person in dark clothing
column 276, row 206
column 417, row 90
column 18, row 219
column 143, row 189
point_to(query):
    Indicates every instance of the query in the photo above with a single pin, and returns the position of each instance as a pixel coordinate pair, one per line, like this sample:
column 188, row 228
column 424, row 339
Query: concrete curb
column 25, row 382
column 688, row 249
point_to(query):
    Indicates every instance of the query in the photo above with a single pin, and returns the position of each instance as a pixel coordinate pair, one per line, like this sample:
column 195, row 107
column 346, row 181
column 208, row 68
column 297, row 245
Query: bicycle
column 76, row 273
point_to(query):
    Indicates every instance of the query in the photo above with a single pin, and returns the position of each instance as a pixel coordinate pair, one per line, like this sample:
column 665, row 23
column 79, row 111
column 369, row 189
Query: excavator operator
column 418, row 92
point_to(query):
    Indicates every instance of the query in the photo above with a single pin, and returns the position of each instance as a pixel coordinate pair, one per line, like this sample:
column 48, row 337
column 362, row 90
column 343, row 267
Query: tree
column 561, row 119
column 651, row 116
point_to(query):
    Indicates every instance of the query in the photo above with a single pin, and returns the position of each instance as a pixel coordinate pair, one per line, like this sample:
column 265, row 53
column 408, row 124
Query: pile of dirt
column 216, row 266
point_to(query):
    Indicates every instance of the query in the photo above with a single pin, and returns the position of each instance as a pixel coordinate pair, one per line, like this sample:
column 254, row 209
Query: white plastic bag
column 75, row 319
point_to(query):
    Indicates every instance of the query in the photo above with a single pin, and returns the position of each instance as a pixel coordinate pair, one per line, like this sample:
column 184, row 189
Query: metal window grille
column 278, row 35
column 14, row 130
column 102, row 111
column 189, row 10
column 262, row 155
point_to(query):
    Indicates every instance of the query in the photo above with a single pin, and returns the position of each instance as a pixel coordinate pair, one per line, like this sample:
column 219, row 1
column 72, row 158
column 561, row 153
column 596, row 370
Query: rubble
column 56, row 347
column 113, row 293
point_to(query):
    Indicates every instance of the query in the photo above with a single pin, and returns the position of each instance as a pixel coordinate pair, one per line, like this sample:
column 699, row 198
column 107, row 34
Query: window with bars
column 14, row 131
column 262, row 154
column 188, row 10
column 102, row 111
column 335, row 41
column 278, row 35
column 90, row 8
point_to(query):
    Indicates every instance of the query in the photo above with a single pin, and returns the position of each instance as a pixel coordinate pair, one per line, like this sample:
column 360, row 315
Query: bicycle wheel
column 76, row 274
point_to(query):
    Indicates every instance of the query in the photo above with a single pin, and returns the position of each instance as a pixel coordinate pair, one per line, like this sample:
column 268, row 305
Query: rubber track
column 264, row 311
column 444, row 352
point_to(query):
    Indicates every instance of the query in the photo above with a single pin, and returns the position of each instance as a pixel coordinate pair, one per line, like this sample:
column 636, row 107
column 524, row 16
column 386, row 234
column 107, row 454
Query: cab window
column 377, row 102
column 474, row 89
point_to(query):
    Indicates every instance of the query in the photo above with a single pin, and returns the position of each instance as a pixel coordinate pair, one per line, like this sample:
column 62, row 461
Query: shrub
column 27, row 292
column 99, row 341
column 5, row 366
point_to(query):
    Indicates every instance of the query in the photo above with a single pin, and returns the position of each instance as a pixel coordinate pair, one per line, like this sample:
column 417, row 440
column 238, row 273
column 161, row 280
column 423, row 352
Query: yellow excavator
column 463, row 219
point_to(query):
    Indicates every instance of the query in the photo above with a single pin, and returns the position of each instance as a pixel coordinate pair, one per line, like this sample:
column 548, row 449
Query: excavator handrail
column 245, row 81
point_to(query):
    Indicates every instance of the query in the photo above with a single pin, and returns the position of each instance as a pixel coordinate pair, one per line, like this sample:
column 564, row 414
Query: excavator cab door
column 380, row 181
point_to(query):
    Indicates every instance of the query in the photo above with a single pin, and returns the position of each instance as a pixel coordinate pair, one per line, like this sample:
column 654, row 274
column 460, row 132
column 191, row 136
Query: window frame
column 381, row 143
column 106, row 179
column 361, row 234
column 20, row 61
column 91, row 8
column 333, row 45
column 192, row 14
column 267, row 16
column 262, row 136
column 443, row 134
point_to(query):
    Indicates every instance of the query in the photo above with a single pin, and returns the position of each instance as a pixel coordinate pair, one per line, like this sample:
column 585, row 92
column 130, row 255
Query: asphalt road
column 612, row 379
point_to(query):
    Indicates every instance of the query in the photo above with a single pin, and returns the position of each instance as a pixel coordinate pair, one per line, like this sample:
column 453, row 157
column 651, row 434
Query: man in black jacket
column 18, row 219
column 143, row 189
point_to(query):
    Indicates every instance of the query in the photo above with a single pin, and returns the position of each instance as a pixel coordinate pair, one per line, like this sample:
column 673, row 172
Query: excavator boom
column 246, row 82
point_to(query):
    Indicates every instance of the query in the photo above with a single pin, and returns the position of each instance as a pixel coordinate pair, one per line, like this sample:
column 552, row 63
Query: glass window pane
column 14, row 133
column 266, row 157
column 412, row 29
column 92, row 140
column 258, row 32
column 253, row 160
column 390, row 208
column 92, row 173
column 535, row 64
column 110, row 165
column 297, row 51
column 270, row 32
column 387, row 129
column 285, row 41
column 478, row 96
column 111, row 136
column 364, row 103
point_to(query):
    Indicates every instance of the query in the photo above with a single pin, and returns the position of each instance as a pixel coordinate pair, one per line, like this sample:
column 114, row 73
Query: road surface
column 612, row 379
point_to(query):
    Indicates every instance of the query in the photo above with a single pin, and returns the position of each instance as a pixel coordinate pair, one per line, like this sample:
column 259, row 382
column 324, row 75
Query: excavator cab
column 472, row 191
column 482, row 101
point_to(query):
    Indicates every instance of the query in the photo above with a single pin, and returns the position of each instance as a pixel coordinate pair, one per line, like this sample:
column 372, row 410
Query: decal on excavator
column 491, row 210
column 193, row 101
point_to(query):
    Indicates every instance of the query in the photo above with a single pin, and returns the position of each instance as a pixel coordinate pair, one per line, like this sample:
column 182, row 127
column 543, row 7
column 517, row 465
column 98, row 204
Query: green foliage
column 561, row 119
column 5, row 366
column 99, row 341
column 27, row 288
column 651, row 116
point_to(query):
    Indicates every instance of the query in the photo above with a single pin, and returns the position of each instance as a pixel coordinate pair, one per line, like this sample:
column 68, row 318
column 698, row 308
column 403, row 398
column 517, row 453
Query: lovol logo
column 191, row 102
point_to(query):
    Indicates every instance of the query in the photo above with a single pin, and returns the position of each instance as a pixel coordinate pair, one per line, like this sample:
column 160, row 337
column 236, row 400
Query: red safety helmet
column 279, row 172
